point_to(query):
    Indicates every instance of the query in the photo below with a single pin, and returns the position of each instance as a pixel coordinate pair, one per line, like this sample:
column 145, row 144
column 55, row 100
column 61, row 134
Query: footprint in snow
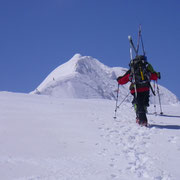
column 172, row 139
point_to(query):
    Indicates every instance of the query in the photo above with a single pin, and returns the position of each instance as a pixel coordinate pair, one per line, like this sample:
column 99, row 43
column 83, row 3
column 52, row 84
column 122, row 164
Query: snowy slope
column 47, row 138
column 87, row 78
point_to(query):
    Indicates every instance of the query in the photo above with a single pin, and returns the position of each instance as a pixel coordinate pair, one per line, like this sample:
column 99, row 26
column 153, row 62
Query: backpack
column 139, row 73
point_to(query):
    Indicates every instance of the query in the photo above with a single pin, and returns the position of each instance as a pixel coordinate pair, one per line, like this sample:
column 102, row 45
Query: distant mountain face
column 87, row 78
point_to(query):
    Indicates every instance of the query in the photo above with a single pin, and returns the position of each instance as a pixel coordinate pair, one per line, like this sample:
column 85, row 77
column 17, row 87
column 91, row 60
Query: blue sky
column 36, row 36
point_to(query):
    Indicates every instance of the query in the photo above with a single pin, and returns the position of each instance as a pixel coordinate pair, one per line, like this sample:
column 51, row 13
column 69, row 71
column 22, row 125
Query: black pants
column 141, row 102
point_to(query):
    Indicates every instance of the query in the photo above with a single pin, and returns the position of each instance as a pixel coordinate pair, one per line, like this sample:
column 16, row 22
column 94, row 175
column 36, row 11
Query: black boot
column 143, row 119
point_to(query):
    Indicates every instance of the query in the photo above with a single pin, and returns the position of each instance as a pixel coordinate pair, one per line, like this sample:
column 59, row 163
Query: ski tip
column 129, row 37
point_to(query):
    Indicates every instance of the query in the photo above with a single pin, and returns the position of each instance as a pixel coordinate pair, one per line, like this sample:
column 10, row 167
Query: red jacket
column 140, row 88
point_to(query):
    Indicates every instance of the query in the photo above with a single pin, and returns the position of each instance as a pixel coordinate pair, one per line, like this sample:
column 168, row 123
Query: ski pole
column 116, row 102
column 154, row 99
column 159, row 98
column 123, row 100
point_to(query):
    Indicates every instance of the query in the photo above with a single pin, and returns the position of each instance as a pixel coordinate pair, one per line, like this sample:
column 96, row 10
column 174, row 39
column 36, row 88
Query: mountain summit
column 86, row 77
column 80, row 77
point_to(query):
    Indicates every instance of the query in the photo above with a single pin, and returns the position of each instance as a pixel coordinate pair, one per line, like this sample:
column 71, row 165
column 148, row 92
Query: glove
column 159, row 75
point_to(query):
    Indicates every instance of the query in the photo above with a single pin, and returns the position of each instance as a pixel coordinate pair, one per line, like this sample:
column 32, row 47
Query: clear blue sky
column 36, row 36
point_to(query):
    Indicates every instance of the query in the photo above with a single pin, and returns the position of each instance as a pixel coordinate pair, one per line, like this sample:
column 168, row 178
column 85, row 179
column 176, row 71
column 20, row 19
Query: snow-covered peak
column 86, row 77
column 80, row 77
column 61, row 72
column 76, row 56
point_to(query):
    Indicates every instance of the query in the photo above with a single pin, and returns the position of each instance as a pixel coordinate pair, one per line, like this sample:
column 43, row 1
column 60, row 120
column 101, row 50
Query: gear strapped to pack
column 139, row 66
column 140, row 75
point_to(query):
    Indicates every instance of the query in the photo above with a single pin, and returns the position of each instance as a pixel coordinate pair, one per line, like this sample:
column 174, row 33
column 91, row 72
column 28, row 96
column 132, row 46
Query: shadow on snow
column 175, row 127
column 164, row 115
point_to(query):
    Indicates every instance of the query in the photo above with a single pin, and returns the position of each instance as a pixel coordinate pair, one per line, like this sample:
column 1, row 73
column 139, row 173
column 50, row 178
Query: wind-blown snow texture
column 87, row 78
column 47, row 138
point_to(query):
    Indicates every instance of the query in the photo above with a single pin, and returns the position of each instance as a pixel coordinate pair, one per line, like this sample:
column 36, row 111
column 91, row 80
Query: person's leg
column 134, row 103
column 141, row 107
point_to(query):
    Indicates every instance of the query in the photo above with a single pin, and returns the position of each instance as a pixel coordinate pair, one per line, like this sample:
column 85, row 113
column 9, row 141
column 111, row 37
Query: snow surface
column 87, row 78
column 47, row 138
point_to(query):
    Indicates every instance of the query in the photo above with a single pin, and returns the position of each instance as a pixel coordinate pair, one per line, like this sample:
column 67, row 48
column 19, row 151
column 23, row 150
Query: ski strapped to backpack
column 140, row 39
column 139, row 65
column 136, row 50
column 132, row 70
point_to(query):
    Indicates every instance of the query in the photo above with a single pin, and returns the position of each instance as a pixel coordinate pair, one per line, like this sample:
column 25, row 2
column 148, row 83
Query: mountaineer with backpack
column 140, row 74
